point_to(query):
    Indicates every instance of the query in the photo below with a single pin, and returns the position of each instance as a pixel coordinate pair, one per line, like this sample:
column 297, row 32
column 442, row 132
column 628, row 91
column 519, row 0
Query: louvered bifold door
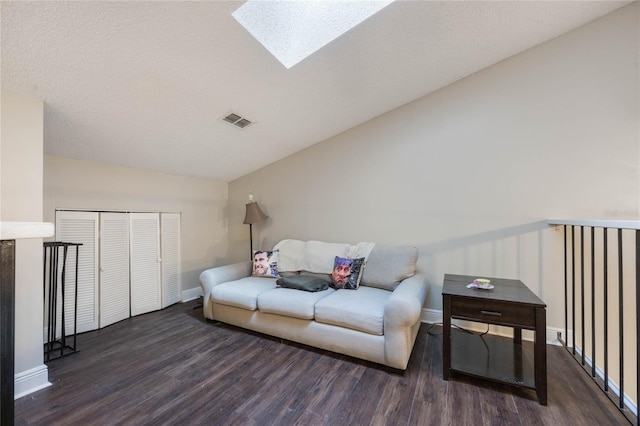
column 170, row 251
column 145, row 262
column 114, row 268
column 80, row 227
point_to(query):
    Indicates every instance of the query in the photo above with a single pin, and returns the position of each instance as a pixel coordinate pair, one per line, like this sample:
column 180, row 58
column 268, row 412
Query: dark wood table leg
column 517, row 335
column 7, row 331
column 540, row 355
column 518, row 354
column 446, row 337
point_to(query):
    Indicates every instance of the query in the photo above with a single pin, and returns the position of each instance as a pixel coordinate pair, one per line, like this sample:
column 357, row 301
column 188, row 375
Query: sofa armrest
column 404, row 306
column 210, row 278
column 401, row 316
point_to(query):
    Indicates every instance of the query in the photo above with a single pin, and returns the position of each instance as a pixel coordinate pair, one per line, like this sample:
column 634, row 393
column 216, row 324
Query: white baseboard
column 434, row 316
column 29, row 381
column 552, row 336
column 613, row 386
column 431, row 316
column 191, row 294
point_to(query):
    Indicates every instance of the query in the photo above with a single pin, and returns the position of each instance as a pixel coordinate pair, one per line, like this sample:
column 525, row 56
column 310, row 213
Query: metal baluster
column 566, row 290
column 621, row 317
column 75, row 303
column 44, row 287
column 637, row 324
column 593, row 303
column 582, row 341
column 53, row 303
column 573, row 288
column 63, row 326
column 47, row 258
column 606, row 310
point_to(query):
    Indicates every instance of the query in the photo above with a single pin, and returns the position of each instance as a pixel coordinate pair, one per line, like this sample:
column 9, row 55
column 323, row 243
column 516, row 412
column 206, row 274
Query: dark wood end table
column 510, row 303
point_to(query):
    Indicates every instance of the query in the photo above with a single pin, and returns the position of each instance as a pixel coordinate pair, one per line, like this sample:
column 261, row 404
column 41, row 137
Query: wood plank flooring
column 172, row 367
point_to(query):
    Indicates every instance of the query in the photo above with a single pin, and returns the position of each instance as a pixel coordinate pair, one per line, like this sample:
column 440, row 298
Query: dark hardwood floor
column 172, row 367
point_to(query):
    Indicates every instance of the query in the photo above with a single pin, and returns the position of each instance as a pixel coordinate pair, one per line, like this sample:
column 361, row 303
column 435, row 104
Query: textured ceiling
column 145, row 84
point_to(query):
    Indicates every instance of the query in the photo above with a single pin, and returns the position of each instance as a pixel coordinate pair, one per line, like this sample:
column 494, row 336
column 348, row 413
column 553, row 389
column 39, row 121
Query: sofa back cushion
column 311, row 256
column 387, row 266
column 289, row 255
column 319, row 256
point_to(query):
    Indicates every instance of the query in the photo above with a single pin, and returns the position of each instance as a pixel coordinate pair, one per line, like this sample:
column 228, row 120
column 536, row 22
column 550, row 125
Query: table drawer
column 494, row 312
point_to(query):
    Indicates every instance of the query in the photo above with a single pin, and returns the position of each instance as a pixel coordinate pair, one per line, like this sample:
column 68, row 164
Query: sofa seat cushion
column 290, row 302
column 361, row 309
column 242, row 293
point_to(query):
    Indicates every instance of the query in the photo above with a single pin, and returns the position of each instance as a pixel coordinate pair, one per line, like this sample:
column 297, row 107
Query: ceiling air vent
column 237, row 120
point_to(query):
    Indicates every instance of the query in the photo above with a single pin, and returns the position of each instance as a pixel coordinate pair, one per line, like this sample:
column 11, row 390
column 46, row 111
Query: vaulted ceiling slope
column 145, row 84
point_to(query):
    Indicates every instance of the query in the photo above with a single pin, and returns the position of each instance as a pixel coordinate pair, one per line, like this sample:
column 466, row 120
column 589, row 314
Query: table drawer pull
column 492, row 313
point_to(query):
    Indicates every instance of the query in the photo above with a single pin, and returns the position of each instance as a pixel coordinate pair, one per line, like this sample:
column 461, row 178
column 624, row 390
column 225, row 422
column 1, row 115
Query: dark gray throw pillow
column 303, row 282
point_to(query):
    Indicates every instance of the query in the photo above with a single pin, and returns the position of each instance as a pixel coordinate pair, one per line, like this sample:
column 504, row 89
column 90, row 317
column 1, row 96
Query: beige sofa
column 377, row 322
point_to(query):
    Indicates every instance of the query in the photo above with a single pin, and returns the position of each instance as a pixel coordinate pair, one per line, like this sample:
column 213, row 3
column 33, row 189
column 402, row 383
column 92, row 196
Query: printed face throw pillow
column 346, row 273
column 265, row 264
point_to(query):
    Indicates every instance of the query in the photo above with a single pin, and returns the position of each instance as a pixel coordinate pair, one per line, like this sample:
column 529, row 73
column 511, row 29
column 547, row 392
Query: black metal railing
column 608, row 349
column 59, row 342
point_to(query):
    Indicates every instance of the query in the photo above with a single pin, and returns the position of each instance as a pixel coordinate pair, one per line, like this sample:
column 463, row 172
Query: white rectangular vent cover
column 237, row 120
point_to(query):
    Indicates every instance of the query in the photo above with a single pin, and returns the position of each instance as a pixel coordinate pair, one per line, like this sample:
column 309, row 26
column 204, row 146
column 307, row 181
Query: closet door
column 80, row 227
column 114, row 268
column 145, row 262
column 170, row 250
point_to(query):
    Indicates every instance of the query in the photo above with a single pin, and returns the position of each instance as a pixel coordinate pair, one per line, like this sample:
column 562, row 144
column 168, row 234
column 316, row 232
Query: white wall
column 76, row 184
column 21, row 200
column 468, row 173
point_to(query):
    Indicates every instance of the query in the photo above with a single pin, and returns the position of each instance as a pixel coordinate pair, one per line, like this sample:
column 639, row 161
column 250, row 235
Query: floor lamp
column 253, row 215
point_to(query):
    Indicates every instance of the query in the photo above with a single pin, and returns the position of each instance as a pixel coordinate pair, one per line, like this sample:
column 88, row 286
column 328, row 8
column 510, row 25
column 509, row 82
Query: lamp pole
column 251, row 241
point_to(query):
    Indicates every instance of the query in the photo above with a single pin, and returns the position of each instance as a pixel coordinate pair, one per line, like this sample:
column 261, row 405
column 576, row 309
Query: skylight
column 294, row 29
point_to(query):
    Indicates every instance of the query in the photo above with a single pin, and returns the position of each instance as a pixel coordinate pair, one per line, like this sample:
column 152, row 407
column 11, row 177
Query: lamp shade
column 253, row 214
